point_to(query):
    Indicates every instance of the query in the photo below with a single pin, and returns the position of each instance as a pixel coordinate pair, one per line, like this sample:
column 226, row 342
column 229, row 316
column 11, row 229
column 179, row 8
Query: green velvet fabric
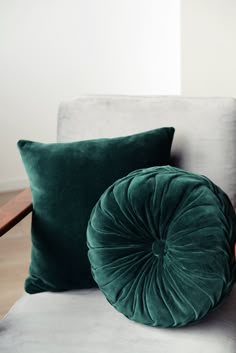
column 67, row 180
column 161, row 246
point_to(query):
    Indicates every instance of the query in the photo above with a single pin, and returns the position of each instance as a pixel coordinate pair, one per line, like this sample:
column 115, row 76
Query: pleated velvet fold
column 161, row 246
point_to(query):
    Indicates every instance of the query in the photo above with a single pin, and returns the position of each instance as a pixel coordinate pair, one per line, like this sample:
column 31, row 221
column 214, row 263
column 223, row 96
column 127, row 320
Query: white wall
column 208, row 47
column 52, row 50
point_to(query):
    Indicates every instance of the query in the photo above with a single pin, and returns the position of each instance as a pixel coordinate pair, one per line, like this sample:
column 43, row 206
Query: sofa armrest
column 15, row 210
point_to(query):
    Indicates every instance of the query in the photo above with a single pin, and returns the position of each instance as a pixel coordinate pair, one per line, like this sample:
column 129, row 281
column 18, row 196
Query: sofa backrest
column 205, row 135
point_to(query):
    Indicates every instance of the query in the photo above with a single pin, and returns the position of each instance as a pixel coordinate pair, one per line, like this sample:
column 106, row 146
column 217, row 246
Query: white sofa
column 82, row 320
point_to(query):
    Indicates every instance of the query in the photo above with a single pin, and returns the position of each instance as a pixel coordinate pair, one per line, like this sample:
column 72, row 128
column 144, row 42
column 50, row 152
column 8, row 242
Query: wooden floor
column 15, row 249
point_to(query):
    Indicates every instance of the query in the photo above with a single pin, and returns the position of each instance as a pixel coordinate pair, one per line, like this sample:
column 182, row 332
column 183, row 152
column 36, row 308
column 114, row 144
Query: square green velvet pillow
column 66, row 181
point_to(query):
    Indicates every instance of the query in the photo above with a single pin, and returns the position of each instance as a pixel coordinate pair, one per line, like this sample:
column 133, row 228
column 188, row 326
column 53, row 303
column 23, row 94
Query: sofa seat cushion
column 83, row 321
column 161, row 245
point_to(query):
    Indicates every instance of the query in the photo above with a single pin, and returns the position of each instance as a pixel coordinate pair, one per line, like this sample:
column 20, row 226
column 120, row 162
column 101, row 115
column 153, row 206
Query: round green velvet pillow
column 161, row 246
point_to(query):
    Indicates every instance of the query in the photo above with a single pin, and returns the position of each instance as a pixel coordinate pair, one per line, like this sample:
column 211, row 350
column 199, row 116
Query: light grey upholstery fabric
column 205, row 137
column 84, row 322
